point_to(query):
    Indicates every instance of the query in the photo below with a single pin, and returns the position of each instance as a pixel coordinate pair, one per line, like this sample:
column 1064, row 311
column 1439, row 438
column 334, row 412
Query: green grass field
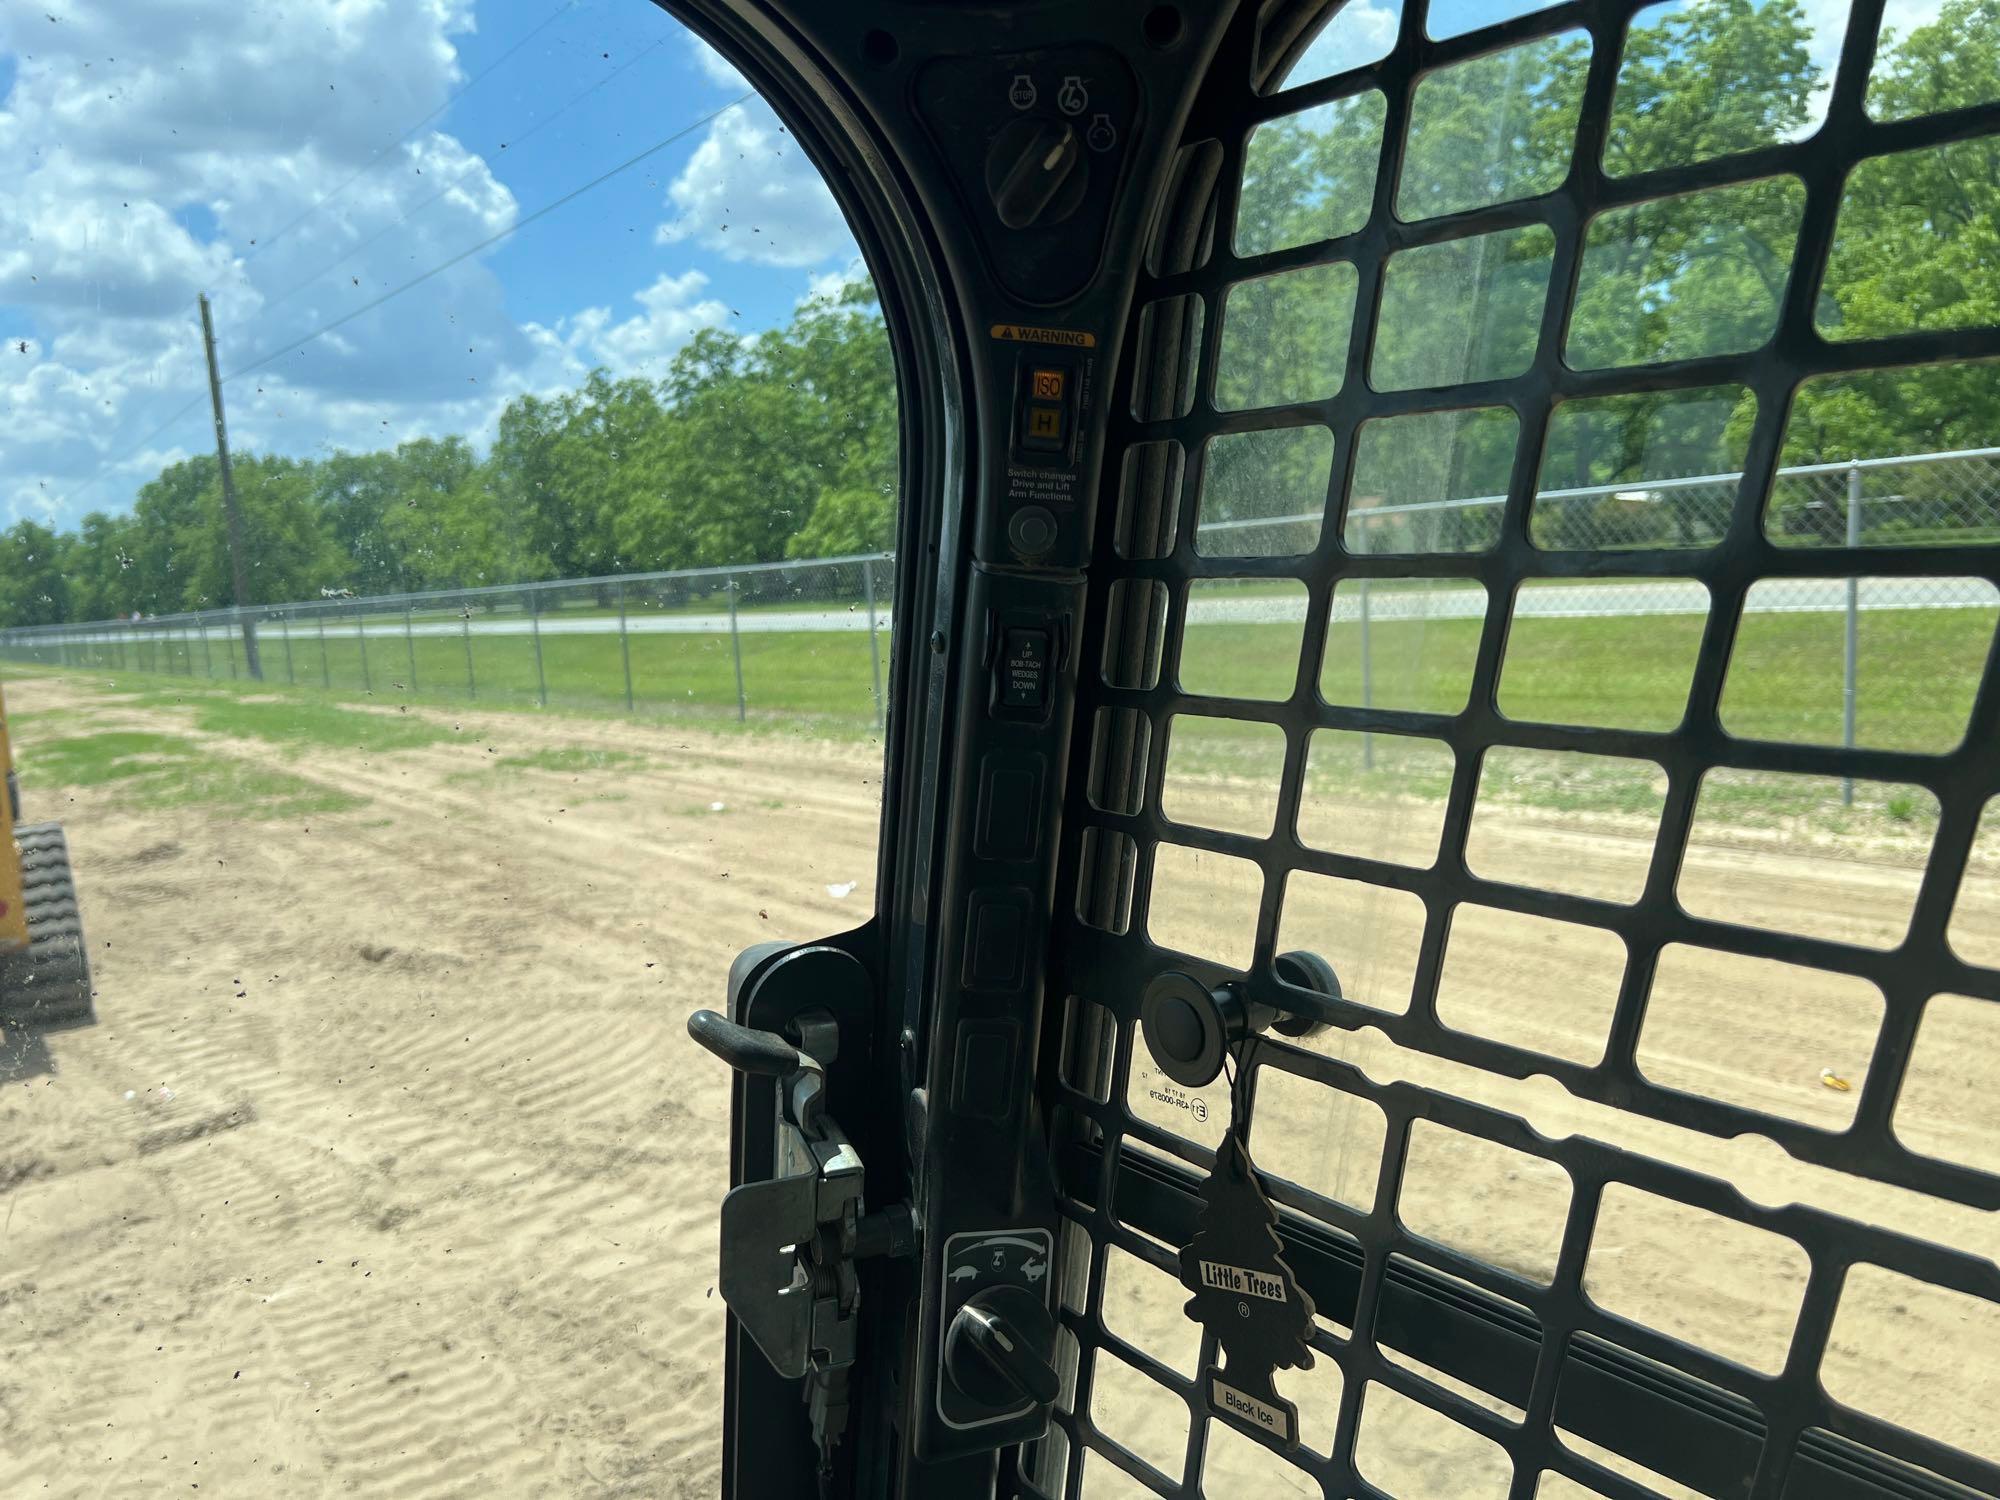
column 1784, row 682
column 149, row 770
column 819, row 675
column 1918, row 671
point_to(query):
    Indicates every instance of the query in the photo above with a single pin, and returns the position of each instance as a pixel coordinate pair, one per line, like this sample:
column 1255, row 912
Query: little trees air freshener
column 1244, row 1293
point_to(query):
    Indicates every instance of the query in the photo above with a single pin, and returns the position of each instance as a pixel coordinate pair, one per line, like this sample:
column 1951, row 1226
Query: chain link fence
column 787, row 639
column 1947, row 499
column 809, row 639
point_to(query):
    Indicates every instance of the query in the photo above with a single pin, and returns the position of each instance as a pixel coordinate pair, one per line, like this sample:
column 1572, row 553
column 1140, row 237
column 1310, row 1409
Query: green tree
column 846, row 522
column 34, row 586
column 1916, row 249
column 98, row 563
column 562, row 536
column 356, row 492
column 167, row 519
column 744, row 452
column 288, row 551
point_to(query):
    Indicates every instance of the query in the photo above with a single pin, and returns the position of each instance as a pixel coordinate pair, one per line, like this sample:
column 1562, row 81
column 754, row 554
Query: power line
column 492, row 239
column 260, row 246
column 410, row 213
column 381, row 152
column 129, row 454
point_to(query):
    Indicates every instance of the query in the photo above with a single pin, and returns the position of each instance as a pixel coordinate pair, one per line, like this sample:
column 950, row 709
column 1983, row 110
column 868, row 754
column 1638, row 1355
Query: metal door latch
column 790, row 1244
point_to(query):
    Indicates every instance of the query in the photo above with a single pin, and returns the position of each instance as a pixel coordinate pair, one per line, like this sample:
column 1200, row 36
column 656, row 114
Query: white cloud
column 749, row 194
column 716, row 68
column 151, row 152
column 674, row 311
column 823, row 286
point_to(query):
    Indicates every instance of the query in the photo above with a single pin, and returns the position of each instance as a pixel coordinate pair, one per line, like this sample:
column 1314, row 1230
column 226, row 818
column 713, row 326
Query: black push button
column 1010, row 810
column 1032, row 531
column 996, row 948
column 1025, row 668
column 984, row 1083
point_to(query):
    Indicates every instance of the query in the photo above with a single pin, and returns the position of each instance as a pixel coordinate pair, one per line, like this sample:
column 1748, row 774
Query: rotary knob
column 1035, row 172
column 1000, row 1348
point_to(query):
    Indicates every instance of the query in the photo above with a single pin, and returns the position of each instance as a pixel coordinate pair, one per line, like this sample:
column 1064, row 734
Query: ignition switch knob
column 1035, row 172
column 1000, row 1348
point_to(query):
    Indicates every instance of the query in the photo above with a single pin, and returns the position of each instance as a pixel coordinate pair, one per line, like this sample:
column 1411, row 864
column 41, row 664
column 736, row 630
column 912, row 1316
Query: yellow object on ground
column 13, row 908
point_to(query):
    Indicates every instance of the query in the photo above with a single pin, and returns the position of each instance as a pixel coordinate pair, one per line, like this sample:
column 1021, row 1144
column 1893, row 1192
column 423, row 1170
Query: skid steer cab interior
column 44, row 966
column 1100, row 1162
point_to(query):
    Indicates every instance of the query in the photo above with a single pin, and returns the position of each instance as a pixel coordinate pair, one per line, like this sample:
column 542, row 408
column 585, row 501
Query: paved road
column 1460, row 602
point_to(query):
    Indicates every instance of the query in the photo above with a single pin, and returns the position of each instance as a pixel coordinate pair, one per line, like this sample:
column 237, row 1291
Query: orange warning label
column 1023, row 333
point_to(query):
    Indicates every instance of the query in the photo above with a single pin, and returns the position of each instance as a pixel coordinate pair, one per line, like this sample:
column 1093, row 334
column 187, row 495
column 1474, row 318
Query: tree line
column 785, row 446
column 744, row 451
column 1916, row 248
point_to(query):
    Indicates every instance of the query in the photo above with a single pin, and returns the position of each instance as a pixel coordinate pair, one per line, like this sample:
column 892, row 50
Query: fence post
column 207, row 658
column 238, row 623
column 325, row 671
column 535, row 628
column 465, row 624
column 1367, row 660
column 874, row 646
column 361, row 636
column 286, row 622
column 1850, row 653
column 410, row 640
column 625, row 647
column 736, row 650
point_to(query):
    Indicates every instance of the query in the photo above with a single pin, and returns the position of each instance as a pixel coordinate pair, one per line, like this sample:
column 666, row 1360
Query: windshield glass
column 425, row 763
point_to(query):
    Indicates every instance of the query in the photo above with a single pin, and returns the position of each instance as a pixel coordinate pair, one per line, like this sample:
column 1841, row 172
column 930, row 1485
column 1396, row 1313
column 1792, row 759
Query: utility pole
column 234, row 520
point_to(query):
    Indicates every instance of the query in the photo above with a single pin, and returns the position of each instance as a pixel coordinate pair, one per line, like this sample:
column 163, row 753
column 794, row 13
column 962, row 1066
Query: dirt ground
column 390, row 1170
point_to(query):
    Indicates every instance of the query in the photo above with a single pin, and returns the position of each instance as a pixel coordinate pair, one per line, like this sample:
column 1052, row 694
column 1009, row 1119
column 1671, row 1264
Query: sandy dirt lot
column 390, row 1171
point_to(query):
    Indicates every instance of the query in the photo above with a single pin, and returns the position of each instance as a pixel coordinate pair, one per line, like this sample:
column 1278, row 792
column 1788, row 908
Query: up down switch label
column 1026, row 665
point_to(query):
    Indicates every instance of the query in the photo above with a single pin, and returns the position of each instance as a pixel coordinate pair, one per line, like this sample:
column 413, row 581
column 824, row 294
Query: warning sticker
column 1023, row 333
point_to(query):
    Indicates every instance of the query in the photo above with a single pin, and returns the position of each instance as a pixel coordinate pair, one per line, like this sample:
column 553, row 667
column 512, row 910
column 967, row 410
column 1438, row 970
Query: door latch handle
column 790, row 1242
column 744, row 1048
column 800, row 1069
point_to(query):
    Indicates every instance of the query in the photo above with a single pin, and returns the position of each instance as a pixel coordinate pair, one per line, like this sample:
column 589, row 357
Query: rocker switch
column 1025, row 666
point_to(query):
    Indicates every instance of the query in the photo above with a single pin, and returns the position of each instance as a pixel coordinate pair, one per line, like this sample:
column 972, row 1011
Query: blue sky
column 299, row 158
column 149, row 151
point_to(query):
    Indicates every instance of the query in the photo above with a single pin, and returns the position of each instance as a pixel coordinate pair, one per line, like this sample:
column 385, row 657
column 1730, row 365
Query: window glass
column 1655, row 470
column 1494, row 128
column 1263, row 493
column 1698, row 81
column 1432, row 481
column 1284, row 337
column 1465, row 310
column 1680, row 278
column 1933, row 55
column 1353, row 36
column 1311, row 175
column 1914, row 250
column 421, row 770
column 1898, row 457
